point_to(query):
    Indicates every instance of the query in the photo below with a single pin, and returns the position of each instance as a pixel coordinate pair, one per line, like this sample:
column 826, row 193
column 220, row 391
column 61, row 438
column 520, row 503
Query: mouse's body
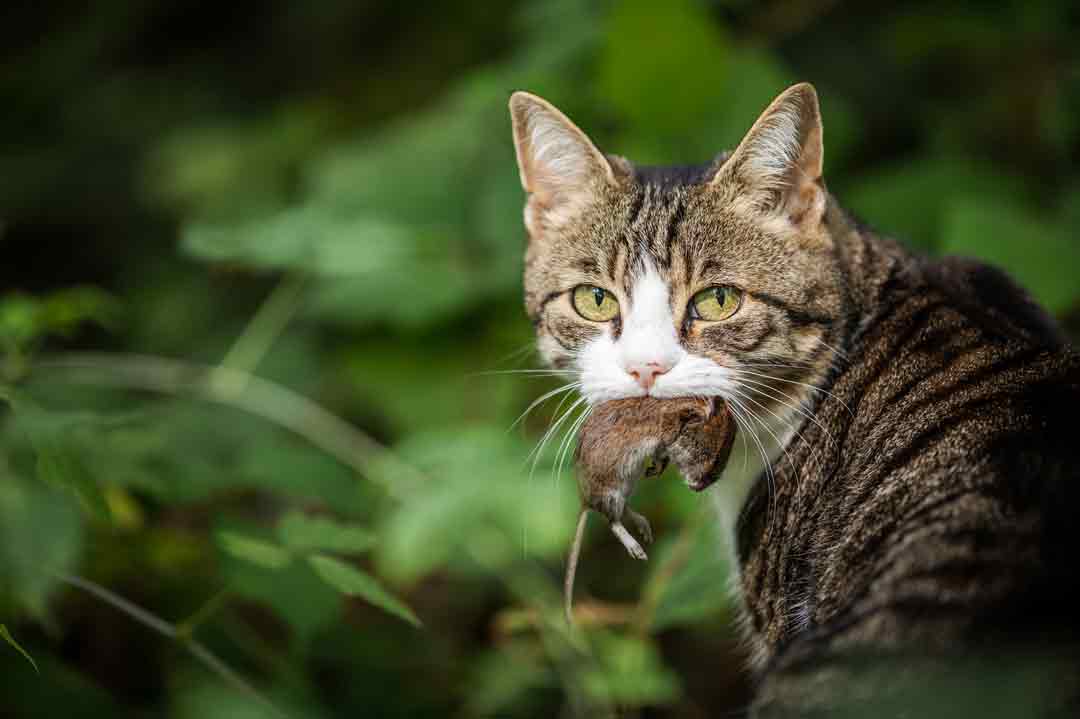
column 617, row 439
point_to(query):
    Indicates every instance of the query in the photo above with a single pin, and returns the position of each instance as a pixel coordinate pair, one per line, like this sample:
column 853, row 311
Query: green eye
column 595, row 303
column 715, row 303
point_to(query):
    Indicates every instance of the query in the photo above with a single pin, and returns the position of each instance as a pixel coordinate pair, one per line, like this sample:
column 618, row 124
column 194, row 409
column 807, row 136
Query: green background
column 261, row 291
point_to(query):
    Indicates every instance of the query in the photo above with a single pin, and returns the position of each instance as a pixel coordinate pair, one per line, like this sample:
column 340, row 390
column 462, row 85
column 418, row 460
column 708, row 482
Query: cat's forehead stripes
column 650, row 239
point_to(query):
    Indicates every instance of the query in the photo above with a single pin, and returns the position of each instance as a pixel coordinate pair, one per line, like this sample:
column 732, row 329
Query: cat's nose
column 645, row 374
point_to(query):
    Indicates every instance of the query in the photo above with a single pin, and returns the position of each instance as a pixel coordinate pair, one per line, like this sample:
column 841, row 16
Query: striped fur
column 925, row 467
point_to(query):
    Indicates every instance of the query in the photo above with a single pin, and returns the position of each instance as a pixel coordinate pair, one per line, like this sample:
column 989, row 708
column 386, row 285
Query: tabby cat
column 911, row 525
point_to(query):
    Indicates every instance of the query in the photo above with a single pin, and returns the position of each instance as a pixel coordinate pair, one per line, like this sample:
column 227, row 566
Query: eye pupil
column 598, row 295
column 715, row 304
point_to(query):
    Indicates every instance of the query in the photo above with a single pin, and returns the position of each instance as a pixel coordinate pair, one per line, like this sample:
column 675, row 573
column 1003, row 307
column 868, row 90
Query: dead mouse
column 614, row 444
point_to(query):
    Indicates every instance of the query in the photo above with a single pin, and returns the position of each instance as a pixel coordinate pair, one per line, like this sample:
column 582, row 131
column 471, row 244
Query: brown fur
column 616, row 440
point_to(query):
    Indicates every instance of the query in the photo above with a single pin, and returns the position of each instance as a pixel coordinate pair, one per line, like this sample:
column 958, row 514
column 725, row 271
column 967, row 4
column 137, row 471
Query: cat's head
column 711, row 281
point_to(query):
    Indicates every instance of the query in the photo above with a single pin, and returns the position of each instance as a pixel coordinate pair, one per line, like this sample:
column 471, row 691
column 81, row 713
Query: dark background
column 212, row 213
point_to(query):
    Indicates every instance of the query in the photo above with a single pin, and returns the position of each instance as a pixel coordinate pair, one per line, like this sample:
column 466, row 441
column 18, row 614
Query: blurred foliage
column 323, row 197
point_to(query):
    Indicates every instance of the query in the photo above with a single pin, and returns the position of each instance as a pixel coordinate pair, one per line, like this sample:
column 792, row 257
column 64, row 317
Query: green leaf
column 24, row 319
column 294, row 594
column 29, row 511
column 688, row 575
column 62, row 467
column 6, row 636
column 502, row 679
column 259, row 552
column 302, row 533
column 478, row 503
column 630, row 672
column 354, row 582
column 62, row 312
column 309, row 238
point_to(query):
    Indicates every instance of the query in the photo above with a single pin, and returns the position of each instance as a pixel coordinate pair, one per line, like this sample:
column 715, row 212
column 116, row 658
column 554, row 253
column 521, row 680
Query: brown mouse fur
column 617, row 439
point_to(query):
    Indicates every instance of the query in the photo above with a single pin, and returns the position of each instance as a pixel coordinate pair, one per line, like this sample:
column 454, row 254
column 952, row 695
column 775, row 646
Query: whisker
column 744, row 425
column 798, row 409
column 534, row 372
column 794, row 404
column 781, row 365
column 801, row 384
column 537, row 450
column 780, row 445
column 839, row 352
column 568, row 441
column 814, row 452
column 543, row 398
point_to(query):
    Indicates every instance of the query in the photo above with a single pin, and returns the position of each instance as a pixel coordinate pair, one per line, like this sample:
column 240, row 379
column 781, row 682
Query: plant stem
column 170, row 631
column 260, row 397
column 265, row 326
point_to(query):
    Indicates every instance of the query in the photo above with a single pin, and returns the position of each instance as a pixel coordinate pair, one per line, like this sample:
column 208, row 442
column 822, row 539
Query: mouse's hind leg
column 628, row 541
column 641, row 524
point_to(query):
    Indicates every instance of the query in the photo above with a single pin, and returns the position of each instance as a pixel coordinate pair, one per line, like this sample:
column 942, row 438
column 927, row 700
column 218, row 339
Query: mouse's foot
column 628, row 541
column 640, row 524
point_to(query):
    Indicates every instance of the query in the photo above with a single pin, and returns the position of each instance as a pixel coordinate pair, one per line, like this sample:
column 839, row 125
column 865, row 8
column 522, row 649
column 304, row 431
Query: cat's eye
column 715, row 303
column 595, row 303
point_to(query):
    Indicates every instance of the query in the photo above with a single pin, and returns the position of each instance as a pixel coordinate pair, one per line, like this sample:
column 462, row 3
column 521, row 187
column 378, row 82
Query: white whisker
column 533, row 372
column 745, row 426
column 794, row 404
column 543, row 398
column 538, row 450
column 568, row 441
column 814, row 453
column 801, row 384
column 767, row 428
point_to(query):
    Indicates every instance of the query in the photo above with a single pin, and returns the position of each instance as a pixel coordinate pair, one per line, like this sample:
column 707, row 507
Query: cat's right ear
column 778, row 164
column 560, row 167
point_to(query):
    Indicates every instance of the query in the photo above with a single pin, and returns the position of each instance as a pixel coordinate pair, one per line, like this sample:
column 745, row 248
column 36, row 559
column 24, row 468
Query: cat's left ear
column 778, row 163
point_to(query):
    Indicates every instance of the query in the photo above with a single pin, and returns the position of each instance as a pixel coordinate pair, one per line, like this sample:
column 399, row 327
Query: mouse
column 617, row 441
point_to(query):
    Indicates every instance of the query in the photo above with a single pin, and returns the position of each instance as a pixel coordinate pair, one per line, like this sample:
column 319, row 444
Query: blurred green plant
column 27, row 321
column 5, row 634
column 322, row 463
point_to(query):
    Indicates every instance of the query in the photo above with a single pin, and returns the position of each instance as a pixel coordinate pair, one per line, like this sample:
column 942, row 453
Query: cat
column 914, row 415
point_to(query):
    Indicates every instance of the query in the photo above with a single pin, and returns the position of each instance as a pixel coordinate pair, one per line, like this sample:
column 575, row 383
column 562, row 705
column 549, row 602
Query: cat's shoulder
column 988, row 296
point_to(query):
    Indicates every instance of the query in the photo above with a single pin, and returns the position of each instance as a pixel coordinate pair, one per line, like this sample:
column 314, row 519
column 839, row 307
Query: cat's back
column 944, row 473
column 959, row 363
column 963, row 479
column 938, row 513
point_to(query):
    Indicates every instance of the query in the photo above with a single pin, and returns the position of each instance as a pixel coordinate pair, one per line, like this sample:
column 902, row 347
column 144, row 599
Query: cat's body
column 923, row 467
column 933, row 503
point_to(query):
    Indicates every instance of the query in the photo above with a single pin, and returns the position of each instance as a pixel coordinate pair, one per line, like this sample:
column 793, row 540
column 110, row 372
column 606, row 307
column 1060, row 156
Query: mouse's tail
column 571, row 565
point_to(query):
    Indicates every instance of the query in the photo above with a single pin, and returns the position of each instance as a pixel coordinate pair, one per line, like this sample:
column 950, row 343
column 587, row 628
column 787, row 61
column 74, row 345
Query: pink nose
column 646, row 374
